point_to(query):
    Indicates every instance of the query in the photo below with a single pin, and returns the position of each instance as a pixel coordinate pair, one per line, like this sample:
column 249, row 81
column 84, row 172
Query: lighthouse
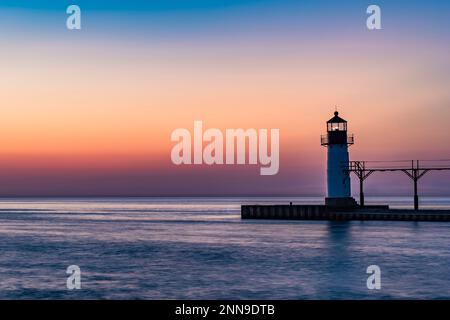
column 337, row 142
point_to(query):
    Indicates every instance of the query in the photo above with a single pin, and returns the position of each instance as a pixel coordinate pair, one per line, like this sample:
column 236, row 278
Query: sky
column 91, row 111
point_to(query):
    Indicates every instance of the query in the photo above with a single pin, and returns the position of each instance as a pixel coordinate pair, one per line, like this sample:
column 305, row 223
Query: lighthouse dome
column 336, row 119
column 336, row 123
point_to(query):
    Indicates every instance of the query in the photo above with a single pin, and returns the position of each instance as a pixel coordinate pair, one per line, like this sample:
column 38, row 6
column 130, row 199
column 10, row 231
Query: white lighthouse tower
column 337, row 142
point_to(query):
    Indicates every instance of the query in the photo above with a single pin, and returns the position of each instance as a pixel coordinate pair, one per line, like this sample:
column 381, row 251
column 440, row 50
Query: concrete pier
column 322, row 212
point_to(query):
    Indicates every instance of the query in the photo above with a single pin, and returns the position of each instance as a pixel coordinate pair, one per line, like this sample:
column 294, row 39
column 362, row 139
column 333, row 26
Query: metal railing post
column 361, row 191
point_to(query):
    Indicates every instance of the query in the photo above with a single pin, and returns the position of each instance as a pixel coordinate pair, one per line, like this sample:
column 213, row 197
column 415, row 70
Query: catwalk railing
column 415, row 169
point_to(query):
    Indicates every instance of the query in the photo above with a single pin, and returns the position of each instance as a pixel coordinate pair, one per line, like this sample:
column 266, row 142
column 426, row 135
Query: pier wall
column 322, row 212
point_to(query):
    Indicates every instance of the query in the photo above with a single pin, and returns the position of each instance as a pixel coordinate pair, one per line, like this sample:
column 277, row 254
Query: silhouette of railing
column 325, row 140
column 415, row 169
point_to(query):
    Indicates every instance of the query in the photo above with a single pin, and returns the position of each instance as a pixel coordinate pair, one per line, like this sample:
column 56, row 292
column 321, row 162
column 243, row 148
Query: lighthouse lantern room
column 337, row 142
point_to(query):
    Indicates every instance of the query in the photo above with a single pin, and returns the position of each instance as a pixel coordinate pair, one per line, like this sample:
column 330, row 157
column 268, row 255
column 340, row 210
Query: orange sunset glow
column 76, row 104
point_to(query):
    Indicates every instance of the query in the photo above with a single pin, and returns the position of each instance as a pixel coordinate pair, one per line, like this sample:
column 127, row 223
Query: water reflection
column 200, row 249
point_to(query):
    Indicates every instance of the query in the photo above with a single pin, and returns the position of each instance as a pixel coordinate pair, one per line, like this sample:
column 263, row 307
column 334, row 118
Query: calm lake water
column 180, row 248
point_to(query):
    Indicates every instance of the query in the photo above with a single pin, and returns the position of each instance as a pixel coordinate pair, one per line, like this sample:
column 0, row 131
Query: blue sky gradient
column 149, row 60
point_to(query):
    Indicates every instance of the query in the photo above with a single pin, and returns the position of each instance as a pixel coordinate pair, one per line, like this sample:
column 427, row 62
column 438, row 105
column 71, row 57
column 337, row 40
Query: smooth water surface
column 199, row 248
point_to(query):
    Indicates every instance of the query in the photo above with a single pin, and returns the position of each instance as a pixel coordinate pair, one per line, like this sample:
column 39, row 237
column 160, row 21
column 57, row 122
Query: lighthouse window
column 337, row 126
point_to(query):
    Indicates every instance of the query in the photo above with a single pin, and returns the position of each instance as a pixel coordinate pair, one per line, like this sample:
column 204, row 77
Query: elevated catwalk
column 339, row 203
column 322, row 212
